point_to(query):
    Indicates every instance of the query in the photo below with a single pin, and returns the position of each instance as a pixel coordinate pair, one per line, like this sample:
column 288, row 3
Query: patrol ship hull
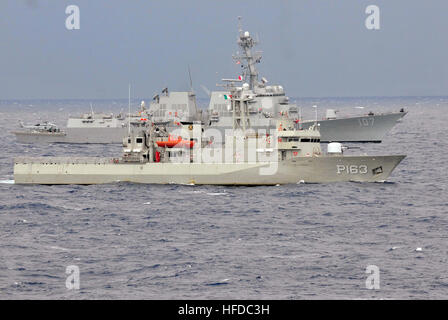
column 322, row 169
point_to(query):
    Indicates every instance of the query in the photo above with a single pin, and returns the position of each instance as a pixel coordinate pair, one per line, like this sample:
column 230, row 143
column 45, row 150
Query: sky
column 318, row 48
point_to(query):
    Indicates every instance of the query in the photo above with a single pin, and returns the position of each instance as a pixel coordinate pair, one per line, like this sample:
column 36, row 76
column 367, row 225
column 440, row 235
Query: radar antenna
column 246, row 43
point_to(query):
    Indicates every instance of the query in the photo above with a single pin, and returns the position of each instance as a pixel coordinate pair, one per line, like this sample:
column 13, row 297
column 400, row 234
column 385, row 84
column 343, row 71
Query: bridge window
column 139, row 140
column 174, row 154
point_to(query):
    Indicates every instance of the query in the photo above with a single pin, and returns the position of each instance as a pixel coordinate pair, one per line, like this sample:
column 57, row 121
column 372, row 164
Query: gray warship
column 42, row 129
column 154, row 154
column 270, row 103
column 366, row 128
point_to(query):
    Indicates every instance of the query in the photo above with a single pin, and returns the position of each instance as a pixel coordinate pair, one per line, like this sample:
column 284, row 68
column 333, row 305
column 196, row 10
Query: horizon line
column 290, row 97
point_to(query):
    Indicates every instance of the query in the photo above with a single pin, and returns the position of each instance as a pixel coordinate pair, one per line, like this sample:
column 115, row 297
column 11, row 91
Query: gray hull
column 74, row 135
column 307, row 169
column 354, row 129
column 357, row 129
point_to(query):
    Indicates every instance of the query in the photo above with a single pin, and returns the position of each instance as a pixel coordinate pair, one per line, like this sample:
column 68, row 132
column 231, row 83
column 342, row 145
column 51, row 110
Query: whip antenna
column 191, row 81
column 129, row 109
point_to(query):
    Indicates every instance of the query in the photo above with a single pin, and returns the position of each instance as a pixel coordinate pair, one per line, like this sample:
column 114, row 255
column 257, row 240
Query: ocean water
column 301, row 241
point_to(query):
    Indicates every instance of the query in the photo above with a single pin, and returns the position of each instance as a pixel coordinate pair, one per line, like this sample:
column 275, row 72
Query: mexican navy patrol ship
column 270, row 102
column 189, row 155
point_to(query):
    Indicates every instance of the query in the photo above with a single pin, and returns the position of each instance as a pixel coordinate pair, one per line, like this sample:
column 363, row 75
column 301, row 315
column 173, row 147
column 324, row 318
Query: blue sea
column 300, row 241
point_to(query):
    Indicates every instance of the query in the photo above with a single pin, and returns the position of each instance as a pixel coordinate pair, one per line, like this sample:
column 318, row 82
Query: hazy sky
column 313, row 48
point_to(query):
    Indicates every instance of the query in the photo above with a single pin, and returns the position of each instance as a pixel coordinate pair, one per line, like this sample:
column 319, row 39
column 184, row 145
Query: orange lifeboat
column 172, row 142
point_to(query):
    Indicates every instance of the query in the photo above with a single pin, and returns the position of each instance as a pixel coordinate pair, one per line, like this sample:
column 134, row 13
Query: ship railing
column 65, row 160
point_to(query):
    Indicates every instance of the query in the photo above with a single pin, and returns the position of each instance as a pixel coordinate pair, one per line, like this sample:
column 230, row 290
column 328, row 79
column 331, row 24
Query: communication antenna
column 240, row 28
column 191, row 81
column 206, row 90
column 191, row 87
column 91, row 108
column 129, row 109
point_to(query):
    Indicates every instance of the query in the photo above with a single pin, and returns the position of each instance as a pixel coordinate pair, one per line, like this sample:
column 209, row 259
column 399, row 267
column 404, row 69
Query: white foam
column 59, row 248
column 7, row 181
column 216, row 193
column 71, row 208
column 147, row 202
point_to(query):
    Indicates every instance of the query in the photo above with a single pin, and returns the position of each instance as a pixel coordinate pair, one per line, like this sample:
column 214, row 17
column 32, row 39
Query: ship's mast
column 246, row 43
column 240, row 96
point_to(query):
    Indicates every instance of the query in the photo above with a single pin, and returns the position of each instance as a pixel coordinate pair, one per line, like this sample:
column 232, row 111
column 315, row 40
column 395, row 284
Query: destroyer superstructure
column 270, row 103
column 173, row 108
